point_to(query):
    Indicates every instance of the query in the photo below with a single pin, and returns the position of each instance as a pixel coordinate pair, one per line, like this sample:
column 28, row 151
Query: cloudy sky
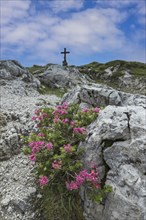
column 36, row 31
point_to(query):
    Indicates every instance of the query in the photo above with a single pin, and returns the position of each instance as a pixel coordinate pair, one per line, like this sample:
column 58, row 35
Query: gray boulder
column 99, row 95
column 11, row 69
column 57, row 76
column 116, row 143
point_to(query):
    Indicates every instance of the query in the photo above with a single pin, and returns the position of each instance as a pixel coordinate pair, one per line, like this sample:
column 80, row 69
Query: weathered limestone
column 57, row 76
column 11, row 69
column 99, row 95
column 116, row 143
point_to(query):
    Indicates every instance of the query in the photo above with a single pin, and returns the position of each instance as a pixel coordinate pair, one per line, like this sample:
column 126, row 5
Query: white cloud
column 42, row 35
column 135, row 7
column 14, row 10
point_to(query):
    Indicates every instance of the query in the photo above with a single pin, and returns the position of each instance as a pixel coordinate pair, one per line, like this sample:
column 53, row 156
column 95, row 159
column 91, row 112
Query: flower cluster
column 54, row 147
column 83, row 176
column 79, row 130
column 43, row 180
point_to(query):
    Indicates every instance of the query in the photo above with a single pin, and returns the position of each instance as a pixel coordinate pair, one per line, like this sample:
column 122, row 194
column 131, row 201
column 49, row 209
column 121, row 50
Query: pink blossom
column 57, row 165
column 32, row 157
column 85, row 110
column 71, row 186
column 63, row 106
column 80, row 130
column 96, row 109
column 37, row 111
column 97, row 185
column 34, row 118
column 49, row 146
column 35, row 149
column 83, row 176
column 68, row 148
column 55, row 120
column 43, row 180
column 41, row 135
column 44, row 115
column 65, row 120
column 31, row 144
column 92, row 165
column 36, row 145
column 80, row 180
column 59, row 112
column 40, row 118
column 72, row 123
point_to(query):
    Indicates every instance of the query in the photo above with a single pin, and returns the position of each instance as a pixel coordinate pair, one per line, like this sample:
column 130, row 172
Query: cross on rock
column 64, row 63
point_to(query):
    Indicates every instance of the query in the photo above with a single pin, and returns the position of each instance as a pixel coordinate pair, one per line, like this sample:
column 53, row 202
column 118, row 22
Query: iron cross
column 64, row 63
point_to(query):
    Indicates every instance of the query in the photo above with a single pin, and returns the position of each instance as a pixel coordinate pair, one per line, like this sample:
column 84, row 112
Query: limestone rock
column 11, row 69
column 117, row 144
column 57, row 76
column 99, row 95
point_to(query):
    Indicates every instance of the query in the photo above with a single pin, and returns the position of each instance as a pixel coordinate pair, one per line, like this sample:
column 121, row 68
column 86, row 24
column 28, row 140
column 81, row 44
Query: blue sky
column 36, row 31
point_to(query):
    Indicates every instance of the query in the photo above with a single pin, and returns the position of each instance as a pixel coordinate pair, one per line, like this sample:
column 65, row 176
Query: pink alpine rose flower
column 68, row 148
column 57, row 165
column 96, row 109
column 49, row 146
column 72, row 123
column 32, row 157
column 65, row 120
column 41, row 135
column 55, row 120
column 80, row 130
column 43, row 180
column 85, row 110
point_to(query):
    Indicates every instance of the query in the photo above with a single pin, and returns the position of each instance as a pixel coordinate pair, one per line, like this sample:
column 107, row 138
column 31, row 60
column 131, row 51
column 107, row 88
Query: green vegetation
column 45, row 90
column 59, row 171
column 38, row 68
column 59, row 206
column 135, row 68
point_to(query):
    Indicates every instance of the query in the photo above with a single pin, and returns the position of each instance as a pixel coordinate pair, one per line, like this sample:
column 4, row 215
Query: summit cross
column 64, row 63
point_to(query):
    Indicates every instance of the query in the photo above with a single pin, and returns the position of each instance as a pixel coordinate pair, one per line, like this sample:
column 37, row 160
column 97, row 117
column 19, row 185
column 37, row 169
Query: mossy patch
column 45, row 90
column 37, row 68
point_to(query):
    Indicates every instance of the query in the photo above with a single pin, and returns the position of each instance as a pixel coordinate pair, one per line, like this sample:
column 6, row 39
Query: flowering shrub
column 54, row 147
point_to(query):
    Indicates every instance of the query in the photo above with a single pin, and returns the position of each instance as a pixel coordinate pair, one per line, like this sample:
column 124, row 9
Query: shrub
column 54, row 150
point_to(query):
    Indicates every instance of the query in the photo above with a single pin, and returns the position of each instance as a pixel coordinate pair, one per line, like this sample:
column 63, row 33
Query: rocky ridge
column 119, row 74
column 115, row 142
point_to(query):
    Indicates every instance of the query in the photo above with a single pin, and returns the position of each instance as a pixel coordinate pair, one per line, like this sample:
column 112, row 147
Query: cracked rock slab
column 117, row 142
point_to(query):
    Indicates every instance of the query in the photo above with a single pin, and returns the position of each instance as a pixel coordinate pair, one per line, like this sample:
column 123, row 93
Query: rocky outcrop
column 11, row 69
column 99, row 95
column 119, row 74
column 116, row 143
column 57, row 76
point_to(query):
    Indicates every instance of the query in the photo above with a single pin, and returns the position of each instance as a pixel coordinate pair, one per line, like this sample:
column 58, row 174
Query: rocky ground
column 17, row 187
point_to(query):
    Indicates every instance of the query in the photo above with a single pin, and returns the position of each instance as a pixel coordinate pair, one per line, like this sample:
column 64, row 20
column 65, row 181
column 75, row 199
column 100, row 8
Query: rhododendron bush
column 54, row 148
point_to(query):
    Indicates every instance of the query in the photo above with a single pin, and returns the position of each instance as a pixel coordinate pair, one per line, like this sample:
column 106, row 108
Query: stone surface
column 57, row 76
column 11, row 69
column 99, row 95
column 19, row 99
column 116, row 142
